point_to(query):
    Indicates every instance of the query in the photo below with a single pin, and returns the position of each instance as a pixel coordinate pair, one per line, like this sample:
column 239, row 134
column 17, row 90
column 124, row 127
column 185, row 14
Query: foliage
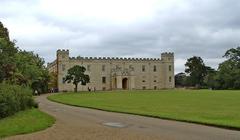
column 76, row 75
column 7, row 52
column 4, row 32
column 21, row 67
column 196, row 69
column 23, row 122
column 180, row 79
column 14, row 98
column 226, row 77
column 216, row 107
column 7, row 64
column 233, row 55
column 33, row 71
column 228, row 74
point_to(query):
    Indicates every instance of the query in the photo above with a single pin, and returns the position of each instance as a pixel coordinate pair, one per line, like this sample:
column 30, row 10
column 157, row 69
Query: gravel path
column 75, row 123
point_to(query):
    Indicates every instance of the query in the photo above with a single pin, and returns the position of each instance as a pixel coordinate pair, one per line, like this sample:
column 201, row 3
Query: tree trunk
column 76, row 86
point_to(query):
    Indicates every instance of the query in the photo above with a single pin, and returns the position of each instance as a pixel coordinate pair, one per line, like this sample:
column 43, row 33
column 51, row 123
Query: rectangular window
column 103, row 67
column 155, row 87
column 103, row 80
column 170, row 79
column 154, row 68
column 143, row 87
column 143, row 68
column 104, row 88
column 170, row 68
column 63, row 67
column 88, row 67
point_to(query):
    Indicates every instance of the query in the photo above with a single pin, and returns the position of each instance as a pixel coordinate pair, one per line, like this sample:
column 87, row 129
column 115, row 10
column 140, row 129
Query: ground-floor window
column 143, row 87
column 155, row 87
column 103, row 80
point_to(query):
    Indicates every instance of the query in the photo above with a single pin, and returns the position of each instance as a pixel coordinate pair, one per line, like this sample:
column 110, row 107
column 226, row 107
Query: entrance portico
column 123, row 82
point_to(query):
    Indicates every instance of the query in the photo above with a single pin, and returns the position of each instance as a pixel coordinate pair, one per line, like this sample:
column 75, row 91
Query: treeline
column 19, row 67
column 21, row 73
column 198, row 75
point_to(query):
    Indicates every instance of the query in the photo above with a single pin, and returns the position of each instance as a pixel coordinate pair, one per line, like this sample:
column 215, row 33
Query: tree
column 4, row 32
column 32, row 68
column 7, row 55
column 180, row 79
column 7, row 61
column 76, row 75
column 233, row 55
column 228, row 75
column 196, row 69
column 21, row 67
column 209, row 79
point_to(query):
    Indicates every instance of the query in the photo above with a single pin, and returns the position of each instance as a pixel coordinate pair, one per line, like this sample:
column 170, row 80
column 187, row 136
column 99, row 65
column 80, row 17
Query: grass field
column 25, row 122
column 218, row 108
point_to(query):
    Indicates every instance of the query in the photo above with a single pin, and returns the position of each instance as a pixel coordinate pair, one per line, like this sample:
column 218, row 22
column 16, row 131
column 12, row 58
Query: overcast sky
column 125, row 28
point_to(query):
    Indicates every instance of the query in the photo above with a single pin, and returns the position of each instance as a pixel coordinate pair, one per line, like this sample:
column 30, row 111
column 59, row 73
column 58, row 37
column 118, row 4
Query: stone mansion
column 117, row 73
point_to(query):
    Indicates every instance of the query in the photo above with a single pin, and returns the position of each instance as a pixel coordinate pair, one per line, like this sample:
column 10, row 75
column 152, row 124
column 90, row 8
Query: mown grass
column 217, row 108
column 25, row 122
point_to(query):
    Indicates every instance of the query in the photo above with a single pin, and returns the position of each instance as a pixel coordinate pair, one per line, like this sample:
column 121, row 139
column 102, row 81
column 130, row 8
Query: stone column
column 119, row 82
column 132, row 82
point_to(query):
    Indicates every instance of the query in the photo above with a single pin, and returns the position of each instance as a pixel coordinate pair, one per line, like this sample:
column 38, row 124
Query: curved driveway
column 75, row 123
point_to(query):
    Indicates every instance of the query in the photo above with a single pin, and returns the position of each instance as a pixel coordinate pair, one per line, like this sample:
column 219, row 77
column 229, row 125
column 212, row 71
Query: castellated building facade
column 117, row 73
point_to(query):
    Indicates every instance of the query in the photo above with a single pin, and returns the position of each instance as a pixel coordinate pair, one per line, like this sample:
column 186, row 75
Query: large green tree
column 228, row 75
column 76, row 75
column 196, row 69
column 7, row 55
column 21, row 67
column 31, row 71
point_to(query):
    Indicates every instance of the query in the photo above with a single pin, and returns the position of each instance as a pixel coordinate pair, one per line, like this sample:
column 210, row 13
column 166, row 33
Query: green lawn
column 218, row 108
column 25, row 122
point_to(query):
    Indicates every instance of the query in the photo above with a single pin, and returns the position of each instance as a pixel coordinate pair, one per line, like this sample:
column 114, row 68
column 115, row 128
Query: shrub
column 14, row 98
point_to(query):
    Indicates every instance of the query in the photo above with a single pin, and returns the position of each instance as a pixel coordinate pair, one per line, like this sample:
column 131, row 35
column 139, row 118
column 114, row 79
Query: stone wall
column 119, row 73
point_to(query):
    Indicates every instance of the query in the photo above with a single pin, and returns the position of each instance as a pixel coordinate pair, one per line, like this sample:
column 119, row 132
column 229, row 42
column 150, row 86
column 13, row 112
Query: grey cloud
column 201, row 27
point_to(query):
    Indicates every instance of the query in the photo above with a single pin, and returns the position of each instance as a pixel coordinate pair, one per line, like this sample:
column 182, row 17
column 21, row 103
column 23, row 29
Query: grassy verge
column 25, row 122
column 216, row 108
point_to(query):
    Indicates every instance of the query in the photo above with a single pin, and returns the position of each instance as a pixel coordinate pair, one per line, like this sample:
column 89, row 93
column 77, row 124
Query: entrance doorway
column 124, row 83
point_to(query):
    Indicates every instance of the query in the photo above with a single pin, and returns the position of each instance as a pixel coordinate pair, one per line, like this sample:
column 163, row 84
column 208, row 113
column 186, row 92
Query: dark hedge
column 14, row 98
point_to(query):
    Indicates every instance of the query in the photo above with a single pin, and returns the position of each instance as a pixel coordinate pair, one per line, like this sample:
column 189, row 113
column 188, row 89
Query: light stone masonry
column 117, row 73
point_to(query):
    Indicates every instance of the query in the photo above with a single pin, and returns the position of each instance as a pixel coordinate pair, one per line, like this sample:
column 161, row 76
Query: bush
column 14, row 98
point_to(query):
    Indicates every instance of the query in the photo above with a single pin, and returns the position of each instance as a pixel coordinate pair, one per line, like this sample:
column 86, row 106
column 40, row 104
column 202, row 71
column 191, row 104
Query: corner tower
column 62, row 65
column 168, row 69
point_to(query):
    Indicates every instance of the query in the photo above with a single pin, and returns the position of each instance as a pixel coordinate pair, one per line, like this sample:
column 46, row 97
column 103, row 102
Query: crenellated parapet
column 115, row 58
column 169, row 54
column 62, row 55
column 167, row 57
column 62, row 51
